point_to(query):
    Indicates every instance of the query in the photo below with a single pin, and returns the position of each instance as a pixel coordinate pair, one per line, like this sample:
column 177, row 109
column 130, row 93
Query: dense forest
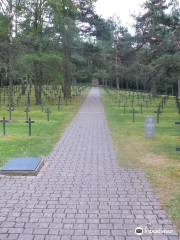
column 65, row 42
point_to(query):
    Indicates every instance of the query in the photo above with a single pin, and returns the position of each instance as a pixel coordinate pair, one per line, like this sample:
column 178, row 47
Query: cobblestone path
column 81, row 193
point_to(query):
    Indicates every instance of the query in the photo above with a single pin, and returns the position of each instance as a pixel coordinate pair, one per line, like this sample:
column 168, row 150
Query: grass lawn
column 45, row 134
column 156, row 157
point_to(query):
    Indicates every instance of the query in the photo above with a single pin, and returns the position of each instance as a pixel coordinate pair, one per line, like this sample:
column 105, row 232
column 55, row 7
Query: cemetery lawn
column 156, row 157
column 45, row 134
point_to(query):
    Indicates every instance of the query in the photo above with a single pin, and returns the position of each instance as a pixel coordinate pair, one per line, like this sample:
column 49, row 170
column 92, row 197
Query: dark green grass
column 157, row 157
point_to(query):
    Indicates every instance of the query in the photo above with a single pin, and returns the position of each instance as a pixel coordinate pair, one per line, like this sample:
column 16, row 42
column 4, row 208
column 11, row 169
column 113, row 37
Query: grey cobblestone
column 26, row 237
column 3, row 236
column 81, row 193
column 39, row 237
column 12, row 236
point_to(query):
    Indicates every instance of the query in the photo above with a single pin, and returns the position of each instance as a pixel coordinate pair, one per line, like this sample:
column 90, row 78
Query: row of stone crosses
column 142, row 100
column 49, row 95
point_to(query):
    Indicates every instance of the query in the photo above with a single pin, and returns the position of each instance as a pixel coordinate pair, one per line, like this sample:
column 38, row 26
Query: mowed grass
column 45, row 134
column 156, row 157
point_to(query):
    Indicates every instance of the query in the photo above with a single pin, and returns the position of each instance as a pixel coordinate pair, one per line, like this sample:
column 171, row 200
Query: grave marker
column 10, row 110
column 27, row 113
column 48, row 114
column 59, row 103
column 141, row 108
column 150, row 127
column 4, row 121
column 23, row 166
column 29, row 121
column 133, row 115
column 158, row 114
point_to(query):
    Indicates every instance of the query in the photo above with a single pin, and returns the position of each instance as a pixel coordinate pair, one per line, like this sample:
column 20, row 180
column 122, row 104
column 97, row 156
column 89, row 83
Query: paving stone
column 105, row 238
column 133, row 238
column 15, row 230
column 173, row 238
column 53, row 231
column 3, row 236
column 93, row 238
column 81, row 193
column 41, row 231
column 119, row 238
column 52, row 237
column 39, row 237
column 13, row 236
column 79, row 232
column 65, row 238
column 25, row 237
column 160, row 237
column 146, row 238
column 79, row 238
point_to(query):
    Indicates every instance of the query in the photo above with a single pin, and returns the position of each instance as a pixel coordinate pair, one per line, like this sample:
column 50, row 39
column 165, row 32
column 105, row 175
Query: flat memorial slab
column 23, row 166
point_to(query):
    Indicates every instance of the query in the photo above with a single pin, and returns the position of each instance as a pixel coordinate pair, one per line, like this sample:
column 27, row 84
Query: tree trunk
column 23, row 88
column 67, row 75
column 153, row 87
column 38, row 93
column 116, row 71
column 10, row 82
column 166, row 89
column 137, row 84
column 106, row 83
column 127, row 85
column 179, row 88
column 117, row 83
column 67, row 60
column 9, row 53
column 143, row 85
column 38, row 83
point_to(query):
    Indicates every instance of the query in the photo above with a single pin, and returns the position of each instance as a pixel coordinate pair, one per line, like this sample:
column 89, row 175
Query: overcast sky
column 121, row 8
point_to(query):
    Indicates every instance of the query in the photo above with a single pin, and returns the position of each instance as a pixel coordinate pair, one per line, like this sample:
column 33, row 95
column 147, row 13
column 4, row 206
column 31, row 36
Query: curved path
column 81, row 194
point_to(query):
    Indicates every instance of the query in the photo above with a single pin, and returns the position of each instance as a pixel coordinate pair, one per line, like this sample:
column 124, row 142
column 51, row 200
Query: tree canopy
column 66, row 42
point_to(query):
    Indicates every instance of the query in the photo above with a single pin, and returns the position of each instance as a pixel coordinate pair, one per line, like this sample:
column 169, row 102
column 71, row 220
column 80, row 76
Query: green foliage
column 4, row 23
column 157, row 34
column 68, row 42
column 44, row 58
column 167, row 67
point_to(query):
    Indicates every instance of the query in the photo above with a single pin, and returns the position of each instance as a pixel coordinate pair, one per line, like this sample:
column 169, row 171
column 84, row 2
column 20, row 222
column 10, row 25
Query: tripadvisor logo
column 139, row 231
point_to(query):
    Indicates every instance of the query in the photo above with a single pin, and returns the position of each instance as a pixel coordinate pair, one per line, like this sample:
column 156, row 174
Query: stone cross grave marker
column 133, row 115
column 141, row 108
column 48, row 112
column 4, row 121
column 150, row 127
column 158, row 112
column 29, row 121
column 10, row 110
column 59, row 103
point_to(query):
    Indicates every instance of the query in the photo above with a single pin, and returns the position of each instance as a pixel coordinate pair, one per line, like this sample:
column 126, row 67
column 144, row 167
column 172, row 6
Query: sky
column 120, row 8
